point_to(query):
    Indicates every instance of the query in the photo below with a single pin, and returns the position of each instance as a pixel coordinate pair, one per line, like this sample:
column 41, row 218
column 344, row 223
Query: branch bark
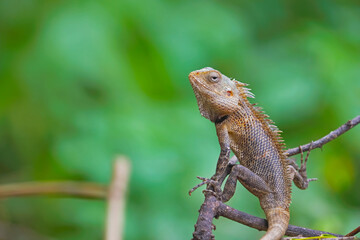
column 204, row 225
column 67, row 188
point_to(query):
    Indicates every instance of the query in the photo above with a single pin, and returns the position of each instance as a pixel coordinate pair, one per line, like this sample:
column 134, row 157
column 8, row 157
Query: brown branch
column 116, row 199
column 204, row 226
column 353, row 232
column 322, row 141
column 214, row 208
column 67, row 188
column 261, row 224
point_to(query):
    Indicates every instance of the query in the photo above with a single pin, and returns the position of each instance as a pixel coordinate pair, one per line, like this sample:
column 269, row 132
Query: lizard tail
column 278, row 221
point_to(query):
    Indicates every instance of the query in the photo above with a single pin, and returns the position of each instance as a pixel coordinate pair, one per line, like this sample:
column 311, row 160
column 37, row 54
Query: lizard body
column 243, row 128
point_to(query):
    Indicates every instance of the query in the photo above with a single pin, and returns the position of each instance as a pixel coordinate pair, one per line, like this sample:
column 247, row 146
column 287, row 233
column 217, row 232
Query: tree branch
column 214, row 208
column 261, row 224
column 116, row 199
column 353, row 232
column 322, row 141
column 68, row 188
column 204, row 226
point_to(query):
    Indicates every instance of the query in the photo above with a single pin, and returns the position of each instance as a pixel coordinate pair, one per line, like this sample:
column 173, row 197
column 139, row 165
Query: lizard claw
column 302, row 160
column 207, row 180
column 208, row 191
column 213, row 183
column 302, row 170
column 312, row 179
column 213, row 187
column 204, row 181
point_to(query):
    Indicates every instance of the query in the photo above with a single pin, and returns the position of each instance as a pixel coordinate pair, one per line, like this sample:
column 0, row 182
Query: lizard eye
column 214, row 77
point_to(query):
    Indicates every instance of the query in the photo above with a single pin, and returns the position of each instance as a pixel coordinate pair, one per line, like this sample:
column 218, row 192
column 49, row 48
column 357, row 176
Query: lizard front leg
column 214, row 183
column 232, row 162
column 223, row 160
column 249, row 179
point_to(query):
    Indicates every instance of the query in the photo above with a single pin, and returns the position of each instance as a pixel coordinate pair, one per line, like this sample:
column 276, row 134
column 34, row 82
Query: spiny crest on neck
column 273, row 130
column 244, row 92
column 270, row 128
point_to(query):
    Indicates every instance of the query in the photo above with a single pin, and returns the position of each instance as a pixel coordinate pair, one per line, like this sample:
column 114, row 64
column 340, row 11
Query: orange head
column 216, row 94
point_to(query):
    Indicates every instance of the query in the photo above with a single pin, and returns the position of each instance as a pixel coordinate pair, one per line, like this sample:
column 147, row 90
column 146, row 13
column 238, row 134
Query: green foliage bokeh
column 84, row 81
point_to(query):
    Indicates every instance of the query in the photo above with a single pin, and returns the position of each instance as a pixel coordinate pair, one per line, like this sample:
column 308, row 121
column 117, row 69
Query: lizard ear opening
column 229, row 93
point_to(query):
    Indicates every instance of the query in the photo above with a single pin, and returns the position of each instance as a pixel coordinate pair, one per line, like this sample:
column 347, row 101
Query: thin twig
column 331, row 136
column 116, row 199
column 353, row 232
column 67, row 188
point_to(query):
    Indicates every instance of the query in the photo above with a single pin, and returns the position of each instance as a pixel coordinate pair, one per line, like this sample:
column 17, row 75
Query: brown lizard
column 243, row 128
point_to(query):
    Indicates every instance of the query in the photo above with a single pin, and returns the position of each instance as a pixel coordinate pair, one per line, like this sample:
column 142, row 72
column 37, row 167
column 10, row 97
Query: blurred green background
column 83, row 81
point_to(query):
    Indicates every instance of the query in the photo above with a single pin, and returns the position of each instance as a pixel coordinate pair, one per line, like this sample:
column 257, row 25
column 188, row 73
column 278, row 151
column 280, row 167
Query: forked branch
column 213, row 208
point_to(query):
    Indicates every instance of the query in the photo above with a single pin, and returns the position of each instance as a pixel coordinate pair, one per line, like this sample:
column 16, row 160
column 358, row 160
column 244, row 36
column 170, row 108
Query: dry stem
column 116, row 199
column 67, row 188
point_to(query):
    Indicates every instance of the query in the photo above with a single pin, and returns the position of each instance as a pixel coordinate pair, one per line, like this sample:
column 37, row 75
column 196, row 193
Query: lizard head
column 216, row 94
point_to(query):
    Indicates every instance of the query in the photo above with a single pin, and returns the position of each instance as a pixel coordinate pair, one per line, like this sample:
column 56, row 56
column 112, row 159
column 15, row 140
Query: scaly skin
column 264, row 169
